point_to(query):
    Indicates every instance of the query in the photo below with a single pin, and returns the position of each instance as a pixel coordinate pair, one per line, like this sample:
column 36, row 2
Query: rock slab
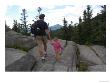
column 11, row 55
column 26, row 63
column 97, row 68
column 88, row 55
column 17, row 40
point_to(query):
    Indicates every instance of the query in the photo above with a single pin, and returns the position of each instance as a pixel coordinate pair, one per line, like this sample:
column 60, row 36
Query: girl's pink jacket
column 57, row 46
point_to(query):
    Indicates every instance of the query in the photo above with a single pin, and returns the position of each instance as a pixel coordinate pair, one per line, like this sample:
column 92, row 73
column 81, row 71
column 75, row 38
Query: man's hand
column 32, row 35
column 48, row 33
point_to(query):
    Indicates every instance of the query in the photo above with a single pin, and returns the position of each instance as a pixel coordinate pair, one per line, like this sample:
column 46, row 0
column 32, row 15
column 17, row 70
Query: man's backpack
column 35, row 29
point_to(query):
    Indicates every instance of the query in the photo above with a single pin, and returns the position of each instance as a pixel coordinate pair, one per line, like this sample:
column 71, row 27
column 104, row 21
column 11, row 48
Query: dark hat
column 41, row 16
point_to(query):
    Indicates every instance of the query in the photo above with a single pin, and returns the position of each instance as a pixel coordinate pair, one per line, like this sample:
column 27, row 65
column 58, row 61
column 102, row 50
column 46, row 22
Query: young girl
column 57, row 48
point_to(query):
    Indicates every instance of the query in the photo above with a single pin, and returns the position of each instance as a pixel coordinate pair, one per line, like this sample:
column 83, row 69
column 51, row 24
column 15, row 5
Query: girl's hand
column 50, row 41
column 62, row 48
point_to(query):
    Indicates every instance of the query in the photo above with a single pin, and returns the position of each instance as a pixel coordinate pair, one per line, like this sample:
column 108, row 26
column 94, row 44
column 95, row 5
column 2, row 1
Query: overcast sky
column 55, row 10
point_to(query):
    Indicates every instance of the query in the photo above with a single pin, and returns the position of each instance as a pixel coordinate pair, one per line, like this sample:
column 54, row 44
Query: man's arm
column 48, row 33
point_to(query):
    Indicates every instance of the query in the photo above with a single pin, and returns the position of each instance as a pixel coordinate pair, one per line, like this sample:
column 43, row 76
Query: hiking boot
column 43, row 59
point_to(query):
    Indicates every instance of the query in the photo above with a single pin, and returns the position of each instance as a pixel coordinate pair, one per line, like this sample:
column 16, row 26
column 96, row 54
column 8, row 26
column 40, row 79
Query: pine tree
column 79, row 30
column 89, row 13
column 103, row 9
column 80, row 20
column 84, row 16
column 87, row 16
column 15, row 26
column 65, row 31
column 24, row 21
column 39, row 10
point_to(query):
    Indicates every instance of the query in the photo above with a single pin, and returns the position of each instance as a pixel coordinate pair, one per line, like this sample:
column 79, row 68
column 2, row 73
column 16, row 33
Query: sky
column 55, row 10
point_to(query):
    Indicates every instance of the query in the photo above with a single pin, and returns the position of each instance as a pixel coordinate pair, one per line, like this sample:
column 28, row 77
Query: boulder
column 26, row 63
column 40, row 66
column 11, row 55
column 100, row 51
column 17, row 40
column 98, row 68
column 60, row 67
column 89, row 56
column 68, row 60
column 47, row 67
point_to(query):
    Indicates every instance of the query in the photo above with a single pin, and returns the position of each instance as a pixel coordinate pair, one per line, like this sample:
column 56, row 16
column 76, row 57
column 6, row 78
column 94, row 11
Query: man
column 41, row 32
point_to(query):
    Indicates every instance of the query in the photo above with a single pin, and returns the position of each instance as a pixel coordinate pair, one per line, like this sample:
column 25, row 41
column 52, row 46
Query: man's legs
column 45, row 47
column 45, row 44
column 40, row 46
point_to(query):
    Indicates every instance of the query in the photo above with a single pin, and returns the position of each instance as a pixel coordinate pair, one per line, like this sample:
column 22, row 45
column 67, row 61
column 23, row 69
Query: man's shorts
column 41, row 41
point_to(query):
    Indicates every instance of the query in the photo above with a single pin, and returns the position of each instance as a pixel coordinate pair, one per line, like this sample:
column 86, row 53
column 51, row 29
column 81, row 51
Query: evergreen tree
column 89, row 13
column 99, row 28
column 103, row 9
column 39, row 10
column 80, row 20
column 84, row 16
column 91, row 30
column 15, row 26
column 79, row 30
column 86, row 31
column 24, row 21
column 65, row 31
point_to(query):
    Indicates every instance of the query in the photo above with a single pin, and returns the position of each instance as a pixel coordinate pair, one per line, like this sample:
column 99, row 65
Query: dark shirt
column 42, row 25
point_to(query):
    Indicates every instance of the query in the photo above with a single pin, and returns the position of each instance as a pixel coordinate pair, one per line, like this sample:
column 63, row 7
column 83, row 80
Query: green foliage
column 82, row 66
column 24, row 32
column 18, row 47
column 88, row 31
column 57, row 33
column 39, row 10
column 91, row 31
column 15, row 26
column 99, row 29
column 24, row 29
column 21, row 28
column 65, row 31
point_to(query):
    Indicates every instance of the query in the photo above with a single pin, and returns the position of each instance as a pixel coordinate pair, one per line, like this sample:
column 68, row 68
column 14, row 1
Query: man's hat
column 41, row 16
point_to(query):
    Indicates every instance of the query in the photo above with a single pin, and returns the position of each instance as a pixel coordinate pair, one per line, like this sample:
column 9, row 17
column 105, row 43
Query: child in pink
column 56, row 43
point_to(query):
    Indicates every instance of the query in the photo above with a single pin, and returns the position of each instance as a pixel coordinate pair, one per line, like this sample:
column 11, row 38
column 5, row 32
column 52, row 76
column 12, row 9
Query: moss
column 18, row 47
column 82, row 66
column 77, row 56
column 88, row 43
